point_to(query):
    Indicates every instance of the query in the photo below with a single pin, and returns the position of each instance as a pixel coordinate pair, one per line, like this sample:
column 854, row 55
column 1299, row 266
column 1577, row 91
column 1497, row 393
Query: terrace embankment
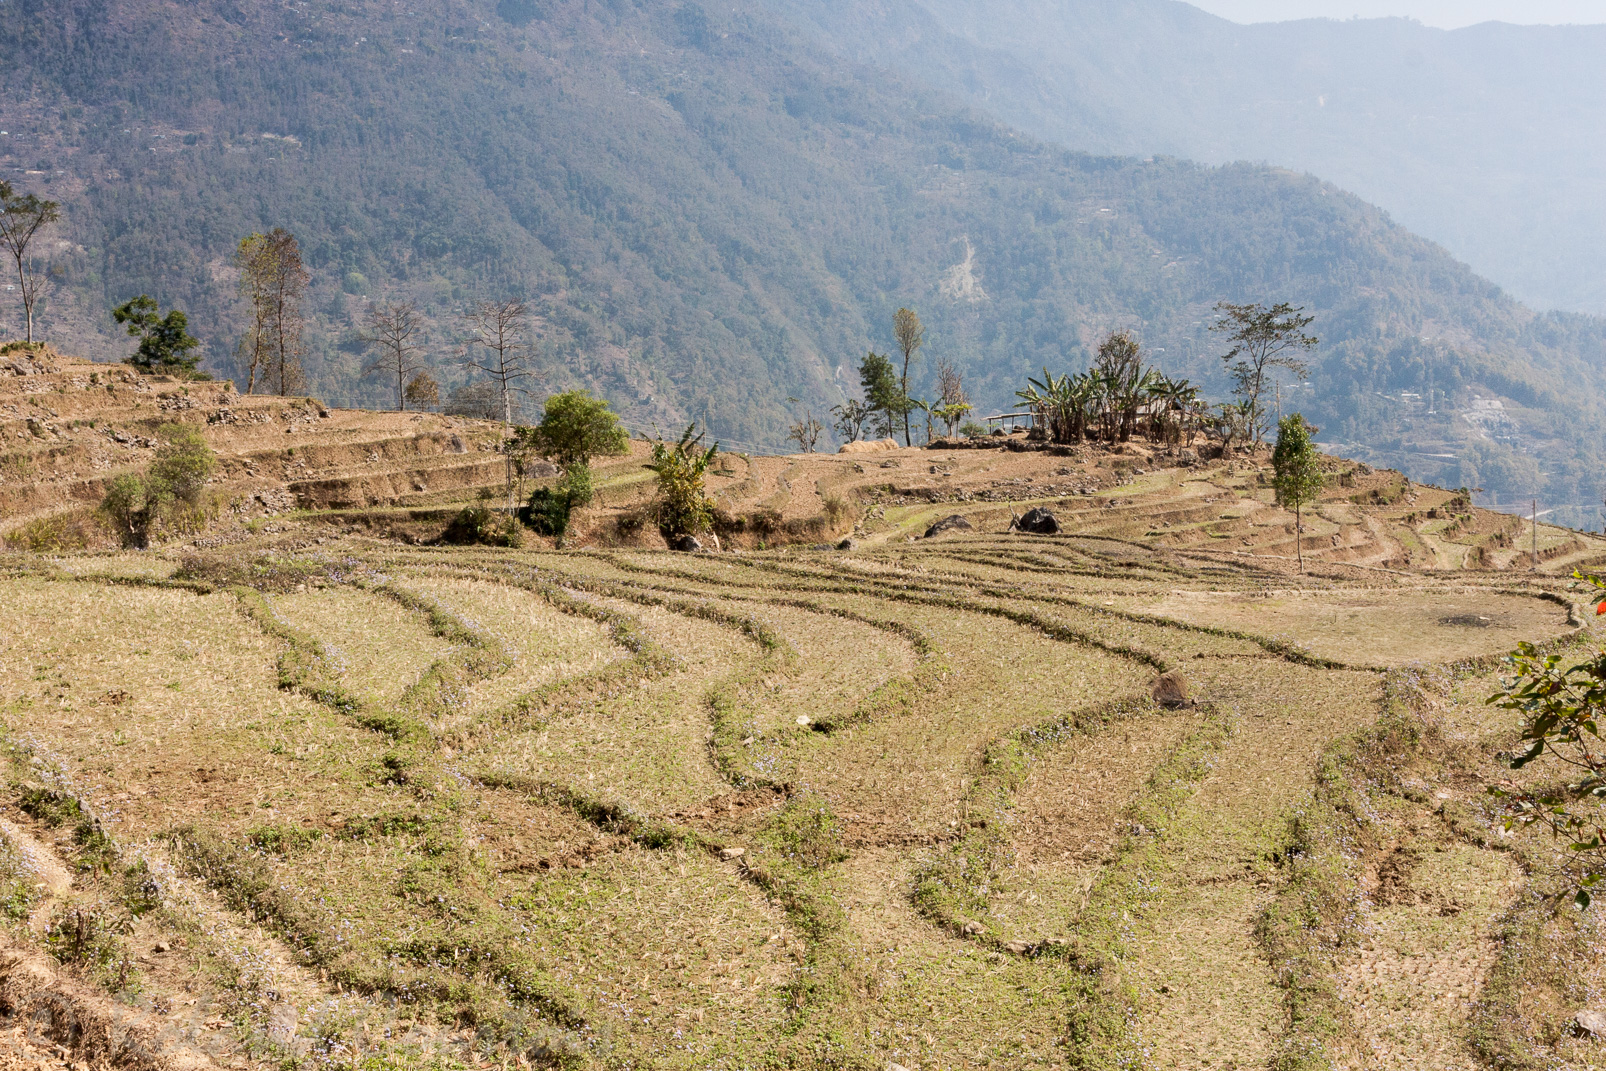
column 300, row 794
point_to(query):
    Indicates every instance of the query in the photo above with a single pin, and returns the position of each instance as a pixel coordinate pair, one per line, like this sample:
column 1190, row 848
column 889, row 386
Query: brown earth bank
column 313, row 789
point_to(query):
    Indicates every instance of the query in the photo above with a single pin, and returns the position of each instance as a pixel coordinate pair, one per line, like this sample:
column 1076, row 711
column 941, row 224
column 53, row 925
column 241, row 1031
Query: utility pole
column 1536, row 533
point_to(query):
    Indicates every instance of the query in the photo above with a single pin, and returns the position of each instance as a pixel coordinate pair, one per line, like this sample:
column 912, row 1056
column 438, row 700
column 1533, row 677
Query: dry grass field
column 315, row 791
column 908, row 804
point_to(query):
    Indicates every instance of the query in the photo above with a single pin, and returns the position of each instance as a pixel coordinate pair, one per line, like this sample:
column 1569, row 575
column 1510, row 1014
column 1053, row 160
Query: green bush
column 55, row 534
column 547, row 512
column 549, row 507
column 483, row 526
column 169, row 496
column 184, row 463
column 972, row 430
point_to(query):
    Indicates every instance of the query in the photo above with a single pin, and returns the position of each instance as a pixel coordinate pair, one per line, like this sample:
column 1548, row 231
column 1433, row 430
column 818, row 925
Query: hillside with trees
column 1478, row 138
column 709, row 216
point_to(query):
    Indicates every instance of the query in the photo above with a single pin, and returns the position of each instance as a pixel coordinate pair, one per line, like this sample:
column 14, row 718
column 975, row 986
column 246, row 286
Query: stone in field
column 1591, row 1022
column 732, row 853
column 972, row 928
column 1039, row 521
column 956, row 523
column 687, row 543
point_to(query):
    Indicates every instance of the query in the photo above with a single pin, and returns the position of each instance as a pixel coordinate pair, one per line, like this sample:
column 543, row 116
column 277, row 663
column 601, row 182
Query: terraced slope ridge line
column 319, row 791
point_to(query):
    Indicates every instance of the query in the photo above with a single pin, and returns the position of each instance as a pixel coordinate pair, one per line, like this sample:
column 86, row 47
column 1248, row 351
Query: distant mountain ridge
column 1486, row 139
column 715, row 215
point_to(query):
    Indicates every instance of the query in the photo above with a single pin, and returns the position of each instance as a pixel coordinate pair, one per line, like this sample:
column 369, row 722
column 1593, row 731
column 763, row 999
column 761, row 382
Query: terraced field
column 910, row 804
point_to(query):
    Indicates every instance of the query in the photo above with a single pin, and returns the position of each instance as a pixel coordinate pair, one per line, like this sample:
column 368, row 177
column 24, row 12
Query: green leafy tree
column 575, row 427
column 911, row 335
column 1561, row 703
column 882, row 392
column 165, row 342
column 683, row 506
column 1262, row 340
column 1296, row 473
column 851, row 416
column 22, row 217
column 1118, row 369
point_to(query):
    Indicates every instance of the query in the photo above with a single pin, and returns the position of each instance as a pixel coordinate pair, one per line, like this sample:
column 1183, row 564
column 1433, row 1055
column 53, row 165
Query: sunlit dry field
column 911, row 804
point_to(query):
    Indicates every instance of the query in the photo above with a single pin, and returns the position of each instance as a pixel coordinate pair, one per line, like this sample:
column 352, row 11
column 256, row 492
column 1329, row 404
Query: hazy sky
column 1448, row 14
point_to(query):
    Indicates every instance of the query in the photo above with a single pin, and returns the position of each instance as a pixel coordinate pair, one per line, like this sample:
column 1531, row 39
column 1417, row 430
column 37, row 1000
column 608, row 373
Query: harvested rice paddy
column 907, row 805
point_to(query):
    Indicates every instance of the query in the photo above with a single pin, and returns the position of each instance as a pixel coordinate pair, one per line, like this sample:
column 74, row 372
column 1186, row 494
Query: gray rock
column 847, row 544
column 1591, row 1022
column 1039, row 521
column 956, row 523
column 732, row 853
column 972, row 928
column 1019, row 948
column 690, row 544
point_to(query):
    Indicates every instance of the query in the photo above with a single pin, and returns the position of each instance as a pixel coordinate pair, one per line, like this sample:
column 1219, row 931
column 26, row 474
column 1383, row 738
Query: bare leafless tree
column 500, row 345
column 806, row 433
column 393, row 331
column 254, row 260
column 273, row 280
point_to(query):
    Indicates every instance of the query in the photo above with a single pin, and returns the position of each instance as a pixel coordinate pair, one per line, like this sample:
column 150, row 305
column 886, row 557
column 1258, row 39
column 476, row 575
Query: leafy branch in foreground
column 1561, row 706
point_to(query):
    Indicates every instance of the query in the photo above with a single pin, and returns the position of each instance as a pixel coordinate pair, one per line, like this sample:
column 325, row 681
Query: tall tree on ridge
column 274, row 280
column 253, row 259
column 1262, row 339
column 911, row 335
column 502, row 331
column 879, row 379
column 22, row 217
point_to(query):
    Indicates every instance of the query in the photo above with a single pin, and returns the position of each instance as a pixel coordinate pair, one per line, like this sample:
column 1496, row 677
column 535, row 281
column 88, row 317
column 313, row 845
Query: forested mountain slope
column 1485, row 139
column 715, row 216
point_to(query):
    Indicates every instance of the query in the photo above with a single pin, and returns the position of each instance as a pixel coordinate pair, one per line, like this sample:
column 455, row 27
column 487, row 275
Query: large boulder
column 1039, row 521
column 690, row 544
column 869, row 447
column 956, row 523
